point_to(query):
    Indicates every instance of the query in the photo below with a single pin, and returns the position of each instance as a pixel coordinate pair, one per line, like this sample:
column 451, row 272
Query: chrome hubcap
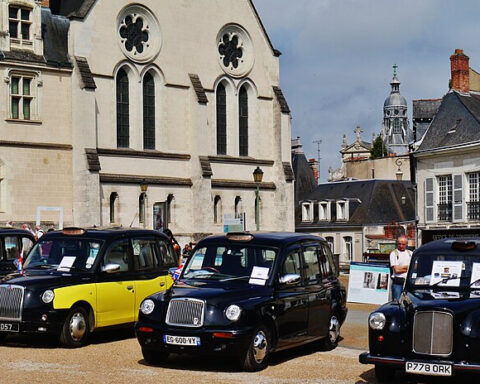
column 334, row 329
column 260, row 346
column 78, row 326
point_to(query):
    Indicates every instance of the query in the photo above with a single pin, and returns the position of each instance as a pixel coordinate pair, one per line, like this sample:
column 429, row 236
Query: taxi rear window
column 64, row 254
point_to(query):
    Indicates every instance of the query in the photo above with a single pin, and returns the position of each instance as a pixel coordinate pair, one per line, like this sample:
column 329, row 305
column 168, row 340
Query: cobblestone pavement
column 115, row 357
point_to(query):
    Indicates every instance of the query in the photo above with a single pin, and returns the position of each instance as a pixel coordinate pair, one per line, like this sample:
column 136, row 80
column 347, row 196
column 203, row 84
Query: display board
column 369, row 283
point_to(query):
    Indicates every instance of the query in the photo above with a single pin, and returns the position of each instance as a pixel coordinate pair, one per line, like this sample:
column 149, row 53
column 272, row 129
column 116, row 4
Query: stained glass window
column 123, row 110
column 148, row 112
column 221, row 120
column 243, row 121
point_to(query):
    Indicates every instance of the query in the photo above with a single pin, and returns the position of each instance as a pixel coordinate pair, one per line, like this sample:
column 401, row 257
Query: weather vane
column 395, row 66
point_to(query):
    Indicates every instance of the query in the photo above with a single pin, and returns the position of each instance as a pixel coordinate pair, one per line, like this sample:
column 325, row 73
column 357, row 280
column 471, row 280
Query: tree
column 378, row 148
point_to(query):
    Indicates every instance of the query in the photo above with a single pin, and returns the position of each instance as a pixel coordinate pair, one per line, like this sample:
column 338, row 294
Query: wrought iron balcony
column 473, row 210
column 445, row 212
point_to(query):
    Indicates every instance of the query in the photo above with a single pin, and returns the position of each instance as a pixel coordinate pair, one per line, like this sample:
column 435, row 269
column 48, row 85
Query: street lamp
column 257, row 177
column 143, row 188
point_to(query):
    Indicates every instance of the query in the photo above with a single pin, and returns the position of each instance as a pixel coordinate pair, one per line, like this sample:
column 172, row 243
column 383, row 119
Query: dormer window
column 19, row 23
column 324, row 211
column 307, row 211
column 342, row 210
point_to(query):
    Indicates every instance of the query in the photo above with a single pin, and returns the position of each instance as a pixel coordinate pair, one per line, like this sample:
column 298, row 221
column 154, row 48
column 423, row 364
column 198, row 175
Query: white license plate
column 182, row 340
column 9, row 327
column 428, row 368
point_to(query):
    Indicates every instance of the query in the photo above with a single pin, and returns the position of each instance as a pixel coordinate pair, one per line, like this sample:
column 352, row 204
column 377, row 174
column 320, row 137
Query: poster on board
column 369, row 283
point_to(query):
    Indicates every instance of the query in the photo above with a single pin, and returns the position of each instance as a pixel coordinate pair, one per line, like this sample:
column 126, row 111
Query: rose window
column 230, row 50
column 139, row 33
column 134, row 33
column 235, row 50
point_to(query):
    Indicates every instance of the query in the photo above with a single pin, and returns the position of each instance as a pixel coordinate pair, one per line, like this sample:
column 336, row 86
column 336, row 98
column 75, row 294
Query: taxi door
column 116, row 290
column 292, row 302
column 152, row 258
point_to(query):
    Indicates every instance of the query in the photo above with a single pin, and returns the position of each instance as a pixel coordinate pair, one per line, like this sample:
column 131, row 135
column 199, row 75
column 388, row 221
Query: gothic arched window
column 243, row 121
column 217, row 209
column 123, row 110
column 148, row 112
column 113, row 200
column 221, row 120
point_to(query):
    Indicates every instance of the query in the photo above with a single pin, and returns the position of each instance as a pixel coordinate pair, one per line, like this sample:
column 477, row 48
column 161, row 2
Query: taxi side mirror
column 111, row 268
column 290, row 279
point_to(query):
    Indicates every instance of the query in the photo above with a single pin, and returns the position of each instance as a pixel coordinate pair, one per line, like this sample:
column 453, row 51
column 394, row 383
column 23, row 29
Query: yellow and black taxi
column 434, row 328
column 13, row 243
column 246, row 295
column 77, row 281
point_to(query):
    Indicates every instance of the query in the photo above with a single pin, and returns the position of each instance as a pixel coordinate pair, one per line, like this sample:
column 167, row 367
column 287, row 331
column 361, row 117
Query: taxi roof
column 444, row 245
column 15, row 231
column 106, row 233
column 276, row 239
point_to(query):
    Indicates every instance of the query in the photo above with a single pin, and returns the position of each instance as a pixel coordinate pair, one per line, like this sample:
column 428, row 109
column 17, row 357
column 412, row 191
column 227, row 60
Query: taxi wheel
column 330, row 342
column 75, row 329
column 256, row 357
column 384, row 374
column 152, row 356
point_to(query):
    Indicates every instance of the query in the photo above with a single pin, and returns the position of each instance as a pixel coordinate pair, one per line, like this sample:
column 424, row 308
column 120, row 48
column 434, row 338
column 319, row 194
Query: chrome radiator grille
column 433, row 333
column 186, row 313
column 11, row 302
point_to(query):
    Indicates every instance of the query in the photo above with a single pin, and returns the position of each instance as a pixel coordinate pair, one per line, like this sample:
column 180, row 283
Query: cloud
column 337, row 57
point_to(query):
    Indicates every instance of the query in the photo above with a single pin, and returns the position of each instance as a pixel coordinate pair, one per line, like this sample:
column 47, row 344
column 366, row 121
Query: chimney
column 46, row 3
column 460, row 71
column 314, row 165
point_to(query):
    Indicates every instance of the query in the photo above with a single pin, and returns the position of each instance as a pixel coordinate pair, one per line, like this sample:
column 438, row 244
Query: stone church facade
column 152, row 114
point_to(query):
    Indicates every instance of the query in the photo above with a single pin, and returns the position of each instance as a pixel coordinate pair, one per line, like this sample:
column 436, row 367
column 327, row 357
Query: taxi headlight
column 147, row 307
column 377, row 321
column 233, row 312
column 48, row 296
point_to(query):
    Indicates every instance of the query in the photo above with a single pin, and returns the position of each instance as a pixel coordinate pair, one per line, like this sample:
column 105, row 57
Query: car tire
column 331, row 341
column 384, row 374
column 75, row 328
column 153, row 356
column 256, row 357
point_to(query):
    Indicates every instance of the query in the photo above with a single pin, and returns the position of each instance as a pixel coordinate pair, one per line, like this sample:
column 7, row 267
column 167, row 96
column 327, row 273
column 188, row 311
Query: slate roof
column 198, row 87
column 55, row 43
column 85, row 73
column 305, row 182
column 457, row 122
column 281, row 100
column 379, row 202
column 425, row 109
column 75, row 9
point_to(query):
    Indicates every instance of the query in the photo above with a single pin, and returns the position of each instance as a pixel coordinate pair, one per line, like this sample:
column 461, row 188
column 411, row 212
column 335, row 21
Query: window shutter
column 458, row 198
column 429, row 201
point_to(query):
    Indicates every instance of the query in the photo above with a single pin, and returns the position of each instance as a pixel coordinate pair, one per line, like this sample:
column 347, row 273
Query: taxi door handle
column 130, row 287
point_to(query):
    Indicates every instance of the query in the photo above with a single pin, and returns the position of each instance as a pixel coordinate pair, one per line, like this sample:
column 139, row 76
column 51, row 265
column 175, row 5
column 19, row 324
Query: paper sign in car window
column 259, row 275
column 475, row 275
column 257, row 281
column 451, row 271
column 66, row 263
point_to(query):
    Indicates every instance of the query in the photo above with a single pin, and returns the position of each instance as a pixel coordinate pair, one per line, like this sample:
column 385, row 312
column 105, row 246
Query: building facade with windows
column 448, row 162
column 148, row 114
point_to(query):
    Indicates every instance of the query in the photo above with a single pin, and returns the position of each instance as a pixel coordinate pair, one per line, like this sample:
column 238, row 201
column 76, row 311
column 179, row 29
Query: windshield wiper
column 236, row 278
column 42, row 266
column 444, row 280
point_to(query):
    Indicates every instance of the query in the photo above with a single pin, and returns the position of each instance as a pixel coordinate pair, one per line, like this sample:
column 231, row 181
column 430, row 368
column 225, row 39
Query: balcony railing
column 445, row 212
column 473, row 210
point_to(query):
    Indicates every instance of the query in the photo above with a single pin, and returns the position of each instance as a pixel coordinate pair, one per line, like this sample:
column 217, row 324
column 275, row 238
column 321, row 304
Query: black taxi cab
column 246, row 295
column 77, row 281
column 13, row 243
column 434, row 328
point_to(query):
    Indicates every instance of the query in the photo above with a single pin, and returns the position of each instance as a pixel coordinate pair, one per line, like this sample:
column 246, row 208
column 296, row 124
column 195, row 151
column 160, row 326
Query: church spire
column 395, row 83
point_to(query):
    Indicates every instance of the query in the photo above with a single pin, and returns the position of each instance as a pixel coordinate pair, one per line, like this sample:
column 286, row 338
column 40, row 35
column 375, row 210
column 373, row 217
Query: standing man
column 399, row 262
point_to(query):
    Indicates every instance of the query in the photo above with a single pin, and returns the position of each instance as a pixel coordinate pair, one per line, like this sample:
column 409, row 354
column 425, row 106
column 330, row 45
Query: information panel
column 369, row 283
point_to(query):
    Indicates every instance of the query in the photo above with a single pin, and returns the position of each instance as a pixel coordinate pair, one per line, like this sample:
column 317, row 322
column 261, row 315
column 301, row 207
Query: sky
column 337, row 57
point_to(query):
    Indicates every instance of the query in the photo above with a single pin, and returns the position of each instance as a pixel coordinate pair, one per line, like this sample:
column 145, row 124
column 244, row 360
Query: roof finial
column 395, row 66
column 358, row 131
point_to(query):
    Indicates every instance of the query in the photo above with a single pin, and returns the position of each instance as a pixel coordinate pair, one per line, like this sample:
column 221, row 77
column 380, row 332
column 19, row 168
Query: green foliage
column 378, row 149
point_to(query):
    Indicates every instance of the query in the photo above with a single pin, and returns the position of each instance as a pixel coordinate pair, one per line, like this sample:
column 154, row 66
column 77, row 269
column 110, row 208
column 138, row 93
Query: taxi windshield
column 229, row 263
column 64, row 254
column 446, row 271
